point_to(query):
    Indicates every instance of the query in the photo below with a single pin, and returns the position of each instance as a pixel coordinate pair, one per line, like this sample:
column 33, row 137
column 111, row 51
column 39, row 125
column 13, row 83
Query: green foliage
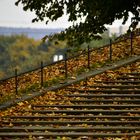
column 54, row 81
column 23, row 53
column 98, row 43
column 92, row 14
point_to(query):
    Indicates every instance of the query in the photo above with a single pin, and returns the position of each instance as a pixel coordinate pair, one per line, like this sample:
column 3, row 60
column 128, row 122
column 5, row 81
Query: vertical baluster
column 88, row 55
column 16, row 82
column 66, row 67
column 131, row 42
column 110, row 50
column 42, row 74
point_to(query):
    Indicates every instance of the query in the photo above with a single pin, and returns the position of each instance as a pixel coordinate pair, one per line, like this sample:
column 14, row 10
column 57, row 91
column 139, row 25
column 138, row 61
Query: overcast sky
column 13, row 16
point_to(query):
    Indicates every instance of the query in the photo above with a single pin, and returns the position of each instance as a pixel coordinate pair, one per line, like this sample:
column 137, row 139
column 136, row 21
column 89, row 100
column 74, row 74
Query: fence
column 47, row 75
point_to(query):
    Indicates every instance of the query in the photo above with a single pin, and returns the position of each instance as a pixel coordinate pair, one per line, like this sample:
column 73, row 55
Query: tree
column 93, row 14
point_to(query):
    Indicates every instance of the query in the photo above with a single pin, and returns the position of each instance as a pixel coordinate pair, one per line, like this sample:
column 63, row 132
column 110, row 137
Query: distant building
column 59, row 55
column 120, row 30
column 117, row 30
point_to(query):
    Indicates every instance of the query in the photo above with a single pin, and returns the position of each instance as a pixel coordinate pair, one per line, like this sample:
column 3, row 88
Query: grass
column 52, row 78
column 51, row 82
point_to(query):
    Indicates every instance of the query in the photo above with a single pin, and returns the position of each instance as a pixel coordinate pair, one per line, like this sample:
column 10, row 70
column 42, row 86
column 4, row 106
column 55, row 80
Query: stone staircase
column 108, row 109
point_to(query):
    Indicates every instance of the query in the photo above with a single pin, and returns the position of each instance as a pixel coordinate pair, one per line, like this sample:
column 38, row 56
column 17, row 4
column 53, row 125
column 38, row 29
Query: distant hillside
column 30, row 32
column 23, row 53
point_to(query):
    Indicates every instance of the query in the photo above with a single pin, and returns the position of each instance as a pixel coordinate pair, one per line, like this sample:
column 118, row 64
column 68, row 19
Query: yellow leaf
column 29, row 106
column 10, row 124
column 64, row 138
column 73, row 78
column 26, row 102
column 20, row 103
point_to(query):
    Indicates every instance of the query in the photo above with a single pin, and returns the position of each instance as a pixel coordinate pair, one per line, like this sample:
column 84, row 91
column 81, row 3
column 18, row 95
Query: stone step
column 89, row 106
column 72, row 134
column 128, row 77
column 98, row 101
column 85, row 111
column 106, row 101
column 106, row 90
column 114, row 86
column 111, row 117
column 132, row 73
column 119, row 82
column 103, row 95
column 68, row 128
column 71, row 122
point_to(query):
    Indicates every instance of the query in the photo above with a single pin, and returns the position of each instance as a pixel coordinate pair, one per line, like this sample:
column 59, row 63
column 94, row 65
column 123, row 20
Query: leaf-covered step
column 71, row 122
column 68, row 134
column 106, row 90
column 89, row 106
column 119, row 82
column 96, row 101
column 68, row 128
column 114, row 86
column 106, row 101
column 128, row 77
column 133, row 73
column 114, row 117
column 103, row 95
column 86, row 111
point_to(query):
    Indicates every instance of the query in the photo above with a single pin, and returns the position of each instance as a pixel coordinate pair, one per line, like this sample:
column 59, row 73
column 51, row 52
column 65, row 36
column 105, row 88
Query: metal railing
column 56, row 72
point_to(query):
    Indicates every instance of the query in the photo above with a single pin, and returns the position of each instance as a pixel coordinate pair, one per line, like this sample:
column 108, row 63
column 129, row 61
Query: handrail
column 84, row 52
column 47, row 65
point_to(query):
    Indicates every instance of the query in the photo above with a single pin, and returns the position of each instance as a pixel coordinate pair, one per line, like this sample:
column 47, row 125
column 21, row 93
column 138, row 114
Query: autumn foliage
column 53, row 74
column 50, row 111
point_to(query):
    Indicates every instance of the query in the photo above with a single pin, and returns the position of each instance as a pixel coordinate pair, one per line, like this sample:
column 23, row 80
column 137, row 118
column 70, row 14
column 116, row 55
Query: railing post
column 16, row 82
column 131, row 39
column 42, row 74
column 86, row 82
column 110, row 50
column 66, row 67
column 88, row 55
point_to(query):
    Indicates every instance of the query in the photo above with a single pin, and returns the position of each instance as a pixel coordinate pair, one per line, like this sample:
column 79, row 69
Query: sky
column 14, row 16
